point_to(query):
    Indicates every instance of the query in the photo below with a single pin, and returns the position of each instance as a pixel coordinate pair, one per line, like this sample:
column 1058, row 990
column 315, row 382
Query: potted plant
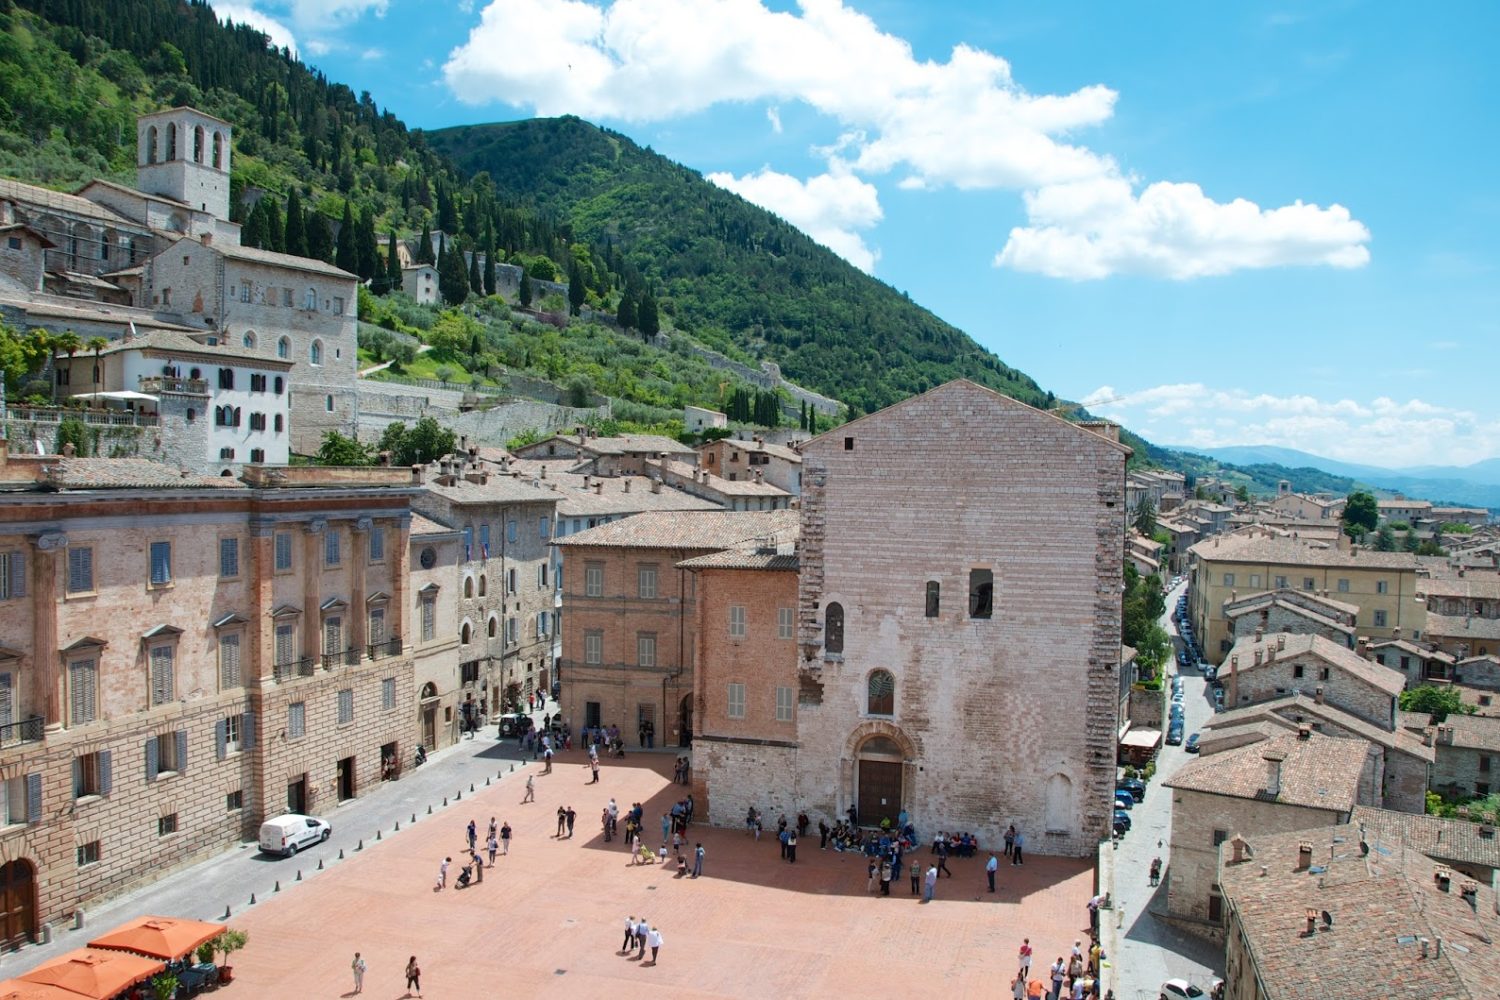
column 164, row 986
column 227, row 943
column 206, row 952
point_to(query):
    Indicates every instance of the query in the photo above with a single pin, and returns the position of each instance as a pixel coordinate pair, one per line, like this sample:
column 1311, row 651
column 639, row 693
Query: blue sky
column 1246, row 223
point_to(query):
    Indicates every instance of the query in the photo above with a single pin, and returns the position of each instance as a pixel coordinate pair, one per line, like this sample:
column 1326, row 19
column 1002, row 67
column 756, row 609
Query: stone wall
column 1247, row 684
column 729, row 778
column 1146, row 708
column 1279, row 618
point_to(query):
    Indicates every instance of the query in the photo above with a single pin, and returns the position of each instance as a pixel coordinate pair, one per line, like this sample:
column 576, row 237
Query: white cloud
column 325, row 14
column 830, row 208
column 964, row 122
column 319, row 46
column 370, row 55
column 773, row 115
column 1380, row 431
column 1099, row 227
column 279, row 34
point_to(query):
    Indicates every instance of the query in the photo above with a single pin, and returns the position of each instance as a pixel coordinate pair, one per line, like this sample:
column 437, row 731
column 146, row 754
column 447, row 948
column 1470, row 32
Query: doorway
column 685, row 721
column 346, row 778
column 429, row 726
column 17, row 904
column 879, row 781
column 296, row 795
column 591, row 714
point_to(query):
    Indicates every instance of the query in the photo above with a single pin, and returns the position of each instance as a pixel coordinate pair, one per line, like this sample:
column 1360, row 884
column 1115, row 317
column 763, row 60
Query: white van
column 288, row 834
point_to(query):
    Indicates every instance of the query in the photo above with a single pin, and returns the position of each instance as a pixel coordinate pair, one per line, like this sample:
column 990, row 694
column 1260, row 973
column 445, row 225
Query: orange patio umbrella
column 90, row 973
column 14, row 989
column 159, row 937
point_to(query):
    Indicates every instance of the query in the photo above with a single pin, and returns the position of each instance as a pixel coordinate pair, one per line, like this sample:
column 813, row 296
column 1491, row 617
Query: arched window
column 310, row 300
column 283, row 350
column 483, row 585
column 153, row 138
column 934, row 598
column 248, row 340
column 171, row 142
column 833, row 628
column 881, row 693
column 494, row 626
column 279, row 385
column 279, row 423
column 218, row 150
column 465, row 634
column 468, row 587
column 199, row 144
column 315, row 352
column 1059, row 808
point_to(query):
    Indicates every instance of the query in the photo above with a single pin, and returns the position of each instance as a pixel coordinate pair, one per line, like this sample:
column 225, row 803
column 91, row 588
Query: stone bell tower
column 184, row 154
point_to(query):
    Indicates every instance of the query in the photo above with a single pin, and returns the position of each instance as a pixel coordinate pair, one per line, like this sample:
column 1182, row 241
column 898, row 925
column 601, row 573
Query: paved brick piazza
column 550, row 916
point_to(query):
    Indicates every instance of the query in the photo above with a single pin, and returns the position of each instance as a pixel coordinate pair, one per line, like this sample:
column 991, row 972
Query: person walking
column 493, row 846
column 594, row 766
column 442, row 880
column 629, row 936
column 562, row 821
column 791, row 847
column 478, row 866
column 1015, row 857
column 822, row 835
column 697, row 860
column 916, row 876
column 990, row 868
column 654, row 940
column 505, row 838
column 1010, row 843
column 473, row 835
column 885, row 877
column 872, row 870
column 784, row 837
column 641, row 930
column 1059, row 973
column 929, row 883
column 413, row 976
column 358, row 968
column 1025, row 956
column 530, row 789
column 570, row 815
column 942, row 859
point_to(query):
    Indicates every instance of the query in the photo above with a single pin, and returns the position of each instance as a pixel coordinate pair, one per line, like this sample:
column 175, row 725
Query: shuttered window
column 7, row 699
column 296, row 719
column 333, row 635
column 283, row 551
column 346, row 706
column 429, row 619
column 229, row 557
column 83, row 686
column 80, row 569
column 388, row 694
column 161, row 563
column 229, row 660
column 377, row 545
column 163, row 683
column 12, row 575
column 331, row 547
column 377, row 625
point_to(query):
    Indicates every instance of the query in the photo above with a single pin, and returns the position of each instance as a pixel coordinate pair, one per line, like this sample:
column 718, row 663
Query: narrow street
column 1146, row 951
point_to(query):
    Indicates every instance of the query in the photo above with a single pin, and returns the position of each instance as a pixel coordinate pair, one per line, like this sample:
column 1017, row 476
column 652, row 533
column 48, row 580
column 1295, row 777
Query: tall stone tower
column 184, row 154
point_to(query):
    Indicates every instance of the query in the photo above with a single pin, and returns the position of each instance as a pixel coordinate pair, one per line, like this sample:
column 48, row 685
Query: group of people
column 640, row 935
column 606, row 738
column 497, row 842
column 959, row 845
column 1073, row 978
column 413, row 974
column 680, row 770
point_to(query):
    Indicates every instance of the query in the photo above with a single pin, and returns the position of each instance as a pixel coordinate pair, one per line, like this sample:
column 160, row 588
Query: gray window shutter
column 247, row 731
column 18, row 574
column 151, row 760
column 106, row 778
column 220, row 737
column 33, row 798
column 181, row 735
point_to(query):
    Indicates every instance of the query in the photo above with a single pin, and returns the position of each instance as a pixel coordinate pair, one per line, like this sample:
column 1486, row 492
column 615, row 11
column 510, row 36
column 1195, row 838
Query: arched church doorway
column 17, row 904
column 878, row 781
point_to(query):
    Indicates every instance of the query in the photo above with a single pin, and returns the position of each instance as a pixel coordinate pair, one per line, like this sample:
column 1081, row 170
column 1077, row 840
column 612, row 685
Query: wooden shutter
column 7, row 701
column 33, row 798
column 81, row 691
column 16, row 566
column 80, row 569
column 247, row 731
column 181, row 736
column 221, row 738
column 284, row 652
column 152, row 760
column 229, row 660
column 106, row 775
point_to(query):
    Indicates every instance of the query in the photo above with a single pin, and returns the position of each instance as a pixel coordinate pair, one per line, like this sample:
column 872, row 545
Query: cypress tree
column 365, row 245
column 525, row 291
column 424, row 248
column 647, row 318
column 254, row 232
column 296, row 231
column 453, row 283
column 625, row 314
column 489, row 261
column 275, row 235
column 319, row 236
column 393, row 266
column 347, row 257
column 476, row 283
column 577, row 294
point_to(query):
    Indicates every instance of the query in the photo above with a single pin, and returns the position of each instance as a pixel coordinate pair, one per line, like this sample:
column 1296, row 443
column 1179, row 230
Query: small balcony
column 294, row 668
column 157, row 384
column 385, row 647
column 14, row 734
column 348, row 658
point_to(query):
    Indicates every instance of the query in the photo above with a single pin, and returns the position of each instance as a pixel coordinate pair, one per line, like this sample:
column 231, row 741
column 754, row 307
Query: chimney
column 759, row 476
column 1304, row 731
column 1423, row 946
column 1281, row 641
column 627, row 486
column 416, row 475
column 1312, row 919
column 1258, row 655
column 1443, row 877
column 1234, row 680
column 599, row 489
column 1273, row 759
column 655, row 485
column 1318, row 695
column 207, row 238
column 586, row 482
column 1363, row 648
column 1469, row 890
column 1237, row 848
column 463, row 442
column 68, row 450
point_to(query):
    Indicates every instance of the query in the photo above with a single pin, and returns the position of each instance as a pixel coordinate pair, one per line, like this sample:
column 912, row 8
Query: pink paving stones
column 549, row 914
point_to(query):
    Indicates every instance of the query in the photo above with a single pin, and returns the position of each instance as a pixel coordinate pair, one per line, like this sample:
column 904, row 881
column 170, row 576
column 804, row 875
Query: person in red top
column 1025, row 955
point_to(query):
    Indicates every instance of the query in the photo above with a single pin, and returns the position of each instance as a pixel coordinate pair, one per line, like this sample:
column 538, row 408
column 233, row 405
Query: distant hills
column 1476, row 485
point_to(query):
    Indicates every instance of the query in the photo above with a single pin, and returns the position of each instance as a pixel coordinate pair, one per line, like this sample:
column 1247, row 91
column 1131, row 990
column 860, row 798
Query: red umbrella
column 14, row 989
column 159, row 937
column 98, row 974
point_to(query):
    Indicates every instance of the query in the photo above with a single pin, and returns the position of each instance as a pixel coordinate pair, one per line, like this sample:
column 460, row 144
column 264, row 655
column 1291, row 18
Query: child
column 661, row 855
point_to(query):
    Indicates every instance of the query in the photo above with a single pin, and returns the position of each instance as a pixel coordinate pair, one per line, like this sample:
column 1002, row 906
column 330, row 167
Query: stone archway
column 17, row 904
column 879, row 772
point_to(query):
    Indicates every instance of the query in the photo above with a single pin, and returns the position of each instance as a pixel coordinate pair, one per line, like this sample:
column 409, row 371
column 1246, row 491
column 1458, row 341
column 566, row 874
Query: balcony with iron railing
column 294, row 668
column 385, row 647
column 155, row 384
column 347, row 658
column 13, row 734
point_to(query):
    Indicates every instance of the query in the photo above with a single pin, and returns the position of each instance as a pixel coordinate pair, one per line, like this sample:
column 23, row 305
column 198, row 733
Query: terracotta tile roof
column 773, row 552
column 1472, row 732
column 686, row 530
column 734, row 488
column 178, row 342
column 1472, row 585
column 1290, row 709
column 1257, row 546
column 1319, row 772
column 612, row 496
column 759, row 447
column 1452, row 840
column 127, row 473
column 1381, row 904
column 250, row 255
column 1264, row 598
column 13, row 190
column 422, row 525
column 1412, row 649
column 1462, row 627
column 497, row 488
column 1289, row 645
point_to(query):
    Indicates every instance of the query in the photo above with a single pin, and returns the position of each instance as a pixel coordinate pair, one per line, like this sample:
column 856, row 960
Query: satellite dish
column 1327, row 919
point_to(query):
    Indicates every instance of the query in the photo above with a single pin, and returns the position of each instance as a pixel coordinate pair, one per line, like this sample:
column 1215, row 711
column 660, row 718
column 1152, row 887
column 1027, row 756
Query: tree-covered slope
column 730, row 273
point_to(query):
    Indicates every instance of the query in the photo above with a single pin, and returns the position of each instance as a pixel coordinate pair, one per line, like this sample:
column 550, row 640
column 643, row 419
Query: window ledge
column 89, row 799
column 81, row 595
column 169, row 585
column 164, row 775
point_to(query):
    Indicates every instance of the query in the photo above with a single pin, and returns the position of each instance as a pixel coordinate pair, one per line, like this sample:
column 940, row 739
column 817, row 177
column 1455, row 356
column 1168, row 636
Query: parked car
column 1122, row 818
column 1218, row 698
column 1180, row 989
column 516, row 724
column 1123, row 802
column 1192, row 744
column 1125, row 793
column 1174, row 735
column 289, row 833
column 1135, row 786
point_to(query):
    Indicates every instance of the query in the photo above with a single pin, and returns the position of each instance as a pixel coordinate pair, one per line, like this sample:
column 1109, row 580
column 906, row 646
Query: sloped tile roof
column 1319, row 772
column 686, row 530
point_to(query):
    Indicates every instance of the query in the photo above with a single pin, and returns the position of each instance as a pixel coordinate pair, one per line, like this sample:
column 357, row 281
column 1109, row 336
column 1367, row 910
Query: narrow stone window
column 881, row 693
column 981, row 593
column 833, row 628
column 934, row 595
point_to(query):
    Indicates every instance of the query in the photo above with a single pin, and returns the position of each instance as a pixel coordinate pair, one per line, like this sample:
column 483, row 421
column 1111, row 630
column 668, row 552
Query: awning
column 17, row 989
column 94, row 973
column 159, row 937
column 123, row 395
column 1142, row 739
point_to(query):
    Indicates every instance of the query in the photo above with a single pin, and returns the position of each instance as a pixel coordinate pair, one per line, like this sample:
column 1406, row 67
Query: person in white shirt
column 629, row 935
column 653, row 939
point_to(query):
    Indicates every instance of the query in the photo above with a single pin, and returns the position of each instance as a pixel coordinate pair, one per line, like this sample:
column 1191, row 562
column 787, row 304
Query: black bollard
column 278, row 885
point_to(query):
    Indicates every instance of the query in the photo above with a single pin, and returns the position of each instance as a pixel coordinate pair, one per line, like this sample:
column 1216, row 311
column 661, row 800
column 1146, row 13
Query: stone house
column 1293, row 612
column 749, row 494
column 1468, row 755
column 435, row 561
column 505, row 603
column 755, row 459
column 420, row 281
column 1260, row 668
column 1473, row 849
column 1400, row 509
column 1463, row 613
column 1306, row 507
column 1383, row 585
column 632, row 616
column 936, row 609
column 1418, row 664
column 624, row 454
column 697, row 419
column 1298, row 781
column 183, row 656
column 1336, row 913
